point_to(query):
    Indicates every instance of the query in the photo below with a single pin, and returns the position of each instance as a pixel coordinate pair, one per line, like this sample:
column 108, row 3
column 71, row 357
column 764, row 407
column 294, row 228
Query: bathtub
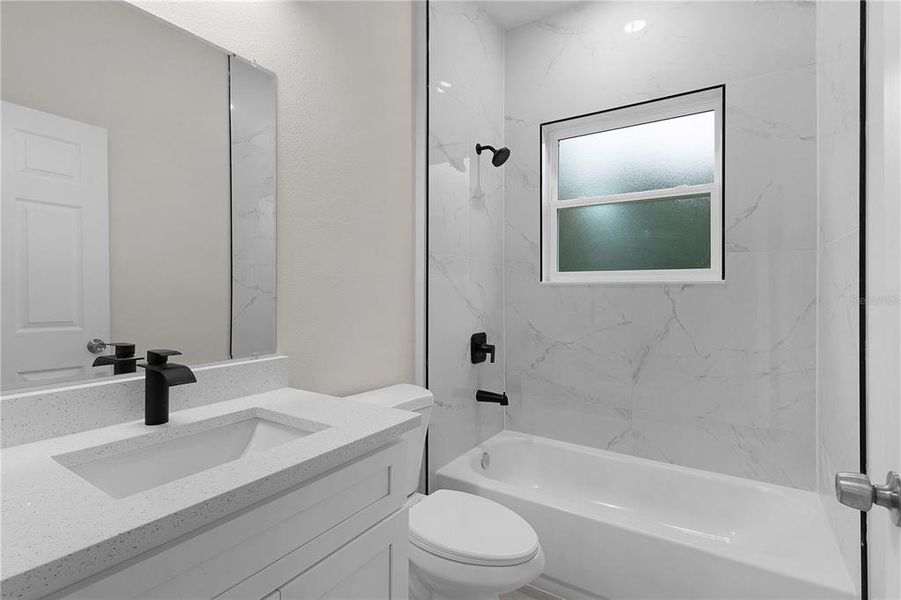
column 615, row 526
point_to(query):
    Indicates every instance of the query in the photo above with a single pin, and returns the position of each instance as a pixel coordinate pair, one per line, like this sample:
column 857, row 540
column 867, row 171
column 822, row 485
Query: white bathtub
column 615, row 526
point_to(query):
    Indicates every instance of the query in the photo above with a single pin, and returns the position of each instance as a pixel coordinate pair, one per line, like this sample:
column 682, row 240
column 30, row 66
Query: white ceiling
column 508, row 14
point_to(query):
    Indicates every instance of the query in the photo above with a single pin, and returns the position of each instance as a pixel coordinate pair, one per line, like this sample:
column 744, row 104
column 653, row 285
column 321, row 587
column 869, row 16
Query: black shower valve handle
column 479, row 348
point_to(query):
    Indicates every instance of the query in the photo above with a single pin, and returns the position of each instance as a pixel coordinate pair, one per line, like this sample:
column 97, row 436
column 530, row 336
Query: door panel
column 374, row 565
column 883, row 286
column 371, row 580
column 55, row 265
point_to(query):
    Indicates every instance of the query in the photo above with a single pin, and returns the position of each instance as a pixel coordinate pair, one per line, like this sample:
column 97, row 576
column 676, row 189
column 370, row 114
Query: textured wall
column 838, row 381
column 721, row 376
column 466, row 224
column 345, row 178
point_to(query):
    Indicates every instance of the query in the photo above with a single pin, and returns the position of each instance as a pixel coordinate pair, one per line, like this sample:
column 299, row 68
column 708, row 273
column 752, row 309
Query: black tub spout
column 484, row 396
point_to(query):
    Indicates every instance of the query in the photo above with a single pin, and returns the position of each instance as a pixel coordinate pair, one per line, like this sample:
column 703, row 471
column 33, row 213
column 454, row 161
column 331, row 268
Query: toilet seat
column 471, row 530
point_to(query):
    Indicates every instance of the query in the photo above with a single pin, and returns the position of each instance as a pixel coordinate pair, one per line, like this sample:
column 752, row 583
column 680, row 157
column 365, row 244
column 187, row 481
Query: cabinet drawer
column 220, row 556
column 372, row 566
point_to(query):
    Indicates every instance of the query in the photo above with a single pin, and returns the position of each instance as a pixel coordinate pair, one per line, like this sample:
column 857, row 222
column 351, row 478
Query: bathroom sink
column 130, row 471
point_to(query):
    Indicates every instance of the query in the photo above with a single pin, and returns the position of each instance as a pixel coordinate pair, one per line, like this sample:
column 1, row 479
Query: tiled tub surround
column 59, row 529
column 838, row 244
column 719, row 376
column 46, row 413
column 466, row 224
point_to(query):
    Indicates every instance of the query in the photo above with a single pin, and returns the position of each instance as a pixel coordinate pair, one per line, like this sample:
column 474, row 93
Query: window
column 635, row 194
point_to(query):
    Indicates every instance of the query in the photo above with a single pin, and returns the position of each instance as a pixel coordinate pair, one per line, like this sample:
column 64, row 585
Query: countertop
column 58, row 528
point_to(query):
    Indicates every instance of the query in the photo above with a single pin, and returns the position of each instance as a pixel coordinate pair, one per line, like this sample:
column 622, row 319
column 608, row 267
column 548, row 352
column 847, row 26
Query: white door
column 55, row 245
column 883, row 287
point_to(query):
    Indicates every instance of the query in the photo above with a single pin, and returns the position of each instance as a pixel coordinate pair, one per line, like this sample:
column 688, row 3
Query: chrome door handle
column 96, row 346
column 856, row 490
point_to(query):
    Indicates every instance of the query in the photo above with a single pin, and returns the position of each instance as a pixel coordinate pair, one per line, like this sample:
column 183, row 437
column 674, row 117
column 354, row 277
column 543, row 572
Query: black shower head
column 500, row 156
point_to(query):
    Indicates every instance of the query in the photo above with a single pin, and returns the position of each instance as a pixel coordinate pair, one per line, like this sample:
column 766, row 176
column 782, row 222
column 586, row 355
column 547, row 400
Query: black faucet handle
column 123, row 349
column 123, row 361
column 479, row 348
column 160, row 356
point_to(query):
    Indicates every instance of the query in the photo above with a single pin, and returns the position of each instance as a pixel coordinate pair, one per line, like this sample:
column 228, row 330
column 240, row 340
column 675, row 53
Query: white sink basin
column 128, row 472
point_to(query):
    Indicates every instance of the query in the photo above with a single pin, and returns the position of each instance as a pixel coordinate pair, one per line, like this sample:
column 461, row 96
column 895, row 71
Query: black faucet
column 485, row 396
column 160, row 376
column 479, row 348
column 123, row 361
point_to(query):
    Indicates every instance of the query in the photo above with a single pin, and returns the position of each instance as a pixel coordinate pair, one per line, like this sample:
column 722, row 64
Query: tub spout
column 484, row 396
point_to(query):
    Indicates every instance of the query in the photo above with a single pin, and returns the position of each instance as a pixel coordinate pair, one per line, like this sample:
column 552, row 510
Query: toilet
column 462, row 546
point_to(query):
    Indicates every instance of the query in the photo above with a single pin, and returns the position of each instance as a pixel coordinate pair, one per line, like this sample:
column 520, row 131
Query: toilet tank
column 406, row 396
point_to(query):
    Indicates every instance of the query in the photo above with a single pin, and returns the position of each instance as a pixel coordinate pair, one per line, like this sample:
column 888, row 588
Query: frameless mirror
column 138, row 193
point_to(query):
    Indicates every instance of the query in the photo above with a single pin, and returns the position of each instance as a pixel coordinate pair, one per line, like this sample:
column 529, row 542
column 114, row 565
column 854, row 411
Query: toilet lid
column 471, row 530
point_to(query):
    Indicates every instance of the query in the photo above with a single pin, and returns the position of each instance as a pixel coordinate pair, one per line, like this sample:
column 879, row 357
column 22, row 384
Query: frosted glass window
column 672, row 233
column 635, row 194
column 651, row 156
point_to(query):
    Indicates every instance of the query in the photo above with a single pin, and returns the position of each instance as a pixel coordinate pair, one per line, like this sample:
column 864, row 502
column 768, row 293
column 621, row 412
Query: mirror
column 138, row 193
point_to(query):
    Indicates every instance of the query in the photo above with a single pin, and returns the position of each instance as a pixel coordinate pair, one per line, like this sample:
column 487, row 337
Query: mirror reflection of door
column 138, row 192
column 55, row 245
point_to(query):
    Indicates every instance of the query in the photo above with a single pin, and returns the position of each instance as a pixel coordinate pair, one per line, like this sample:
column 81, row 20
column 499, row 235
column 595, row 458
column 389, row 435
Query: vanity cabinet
column 340, row 535
column 371, row 567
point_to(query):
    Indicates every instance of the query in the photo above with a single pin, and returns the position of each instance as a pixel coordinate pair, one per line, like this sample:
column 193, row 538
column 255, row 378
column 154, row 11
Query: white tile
column 466, row 225
column 732, row 365
column 838, row 374
column 771, row 162
column 581, row 60
column 837, row 118
column 781, row 457
column 735, row 360
column 741, row 352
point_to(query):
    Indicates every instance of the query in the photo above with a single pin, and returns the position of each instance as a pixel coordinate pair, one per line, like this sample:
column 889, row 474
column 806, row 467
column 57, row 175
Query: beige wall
column 345, row 196
column 162, row 96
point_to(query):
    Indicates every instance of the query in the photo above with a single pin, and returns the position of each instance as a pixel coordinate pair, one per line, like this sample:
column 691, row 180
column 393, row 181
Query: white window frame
column 710, row 99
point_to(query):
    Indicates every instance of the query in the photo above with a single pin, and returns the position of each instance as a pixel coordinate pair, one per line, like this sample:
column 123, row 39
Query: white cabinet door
column 372, row 567
column 55, row 265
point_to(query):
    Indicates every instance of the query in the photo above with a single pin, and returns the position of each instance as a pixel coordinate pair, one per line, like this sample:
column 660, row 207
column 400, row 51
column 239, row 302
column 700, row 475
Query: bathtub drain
column 486, row 460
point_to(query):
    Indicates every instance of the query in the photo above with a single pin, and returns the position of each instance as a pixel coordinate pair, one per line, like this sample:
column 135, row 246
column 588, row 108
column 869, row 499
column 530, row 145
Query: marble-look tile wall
column 466, row 217
column 253, row 209
column 838, row 374
column 719, row 376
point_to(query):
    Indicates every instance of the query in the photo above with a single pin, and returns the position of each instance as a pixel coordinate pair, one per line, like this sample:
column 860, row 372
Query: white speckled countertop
column 59, row 529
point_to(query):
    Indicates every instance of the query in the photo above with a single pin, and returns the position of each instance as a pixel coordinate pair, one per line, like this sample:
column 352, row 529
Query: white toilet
column 461, row 546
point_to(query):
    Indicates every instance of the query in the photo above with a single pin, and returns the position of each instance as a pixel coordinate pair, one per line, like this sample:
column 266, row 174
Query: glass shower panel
column 652, row 156
column 755, row 376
